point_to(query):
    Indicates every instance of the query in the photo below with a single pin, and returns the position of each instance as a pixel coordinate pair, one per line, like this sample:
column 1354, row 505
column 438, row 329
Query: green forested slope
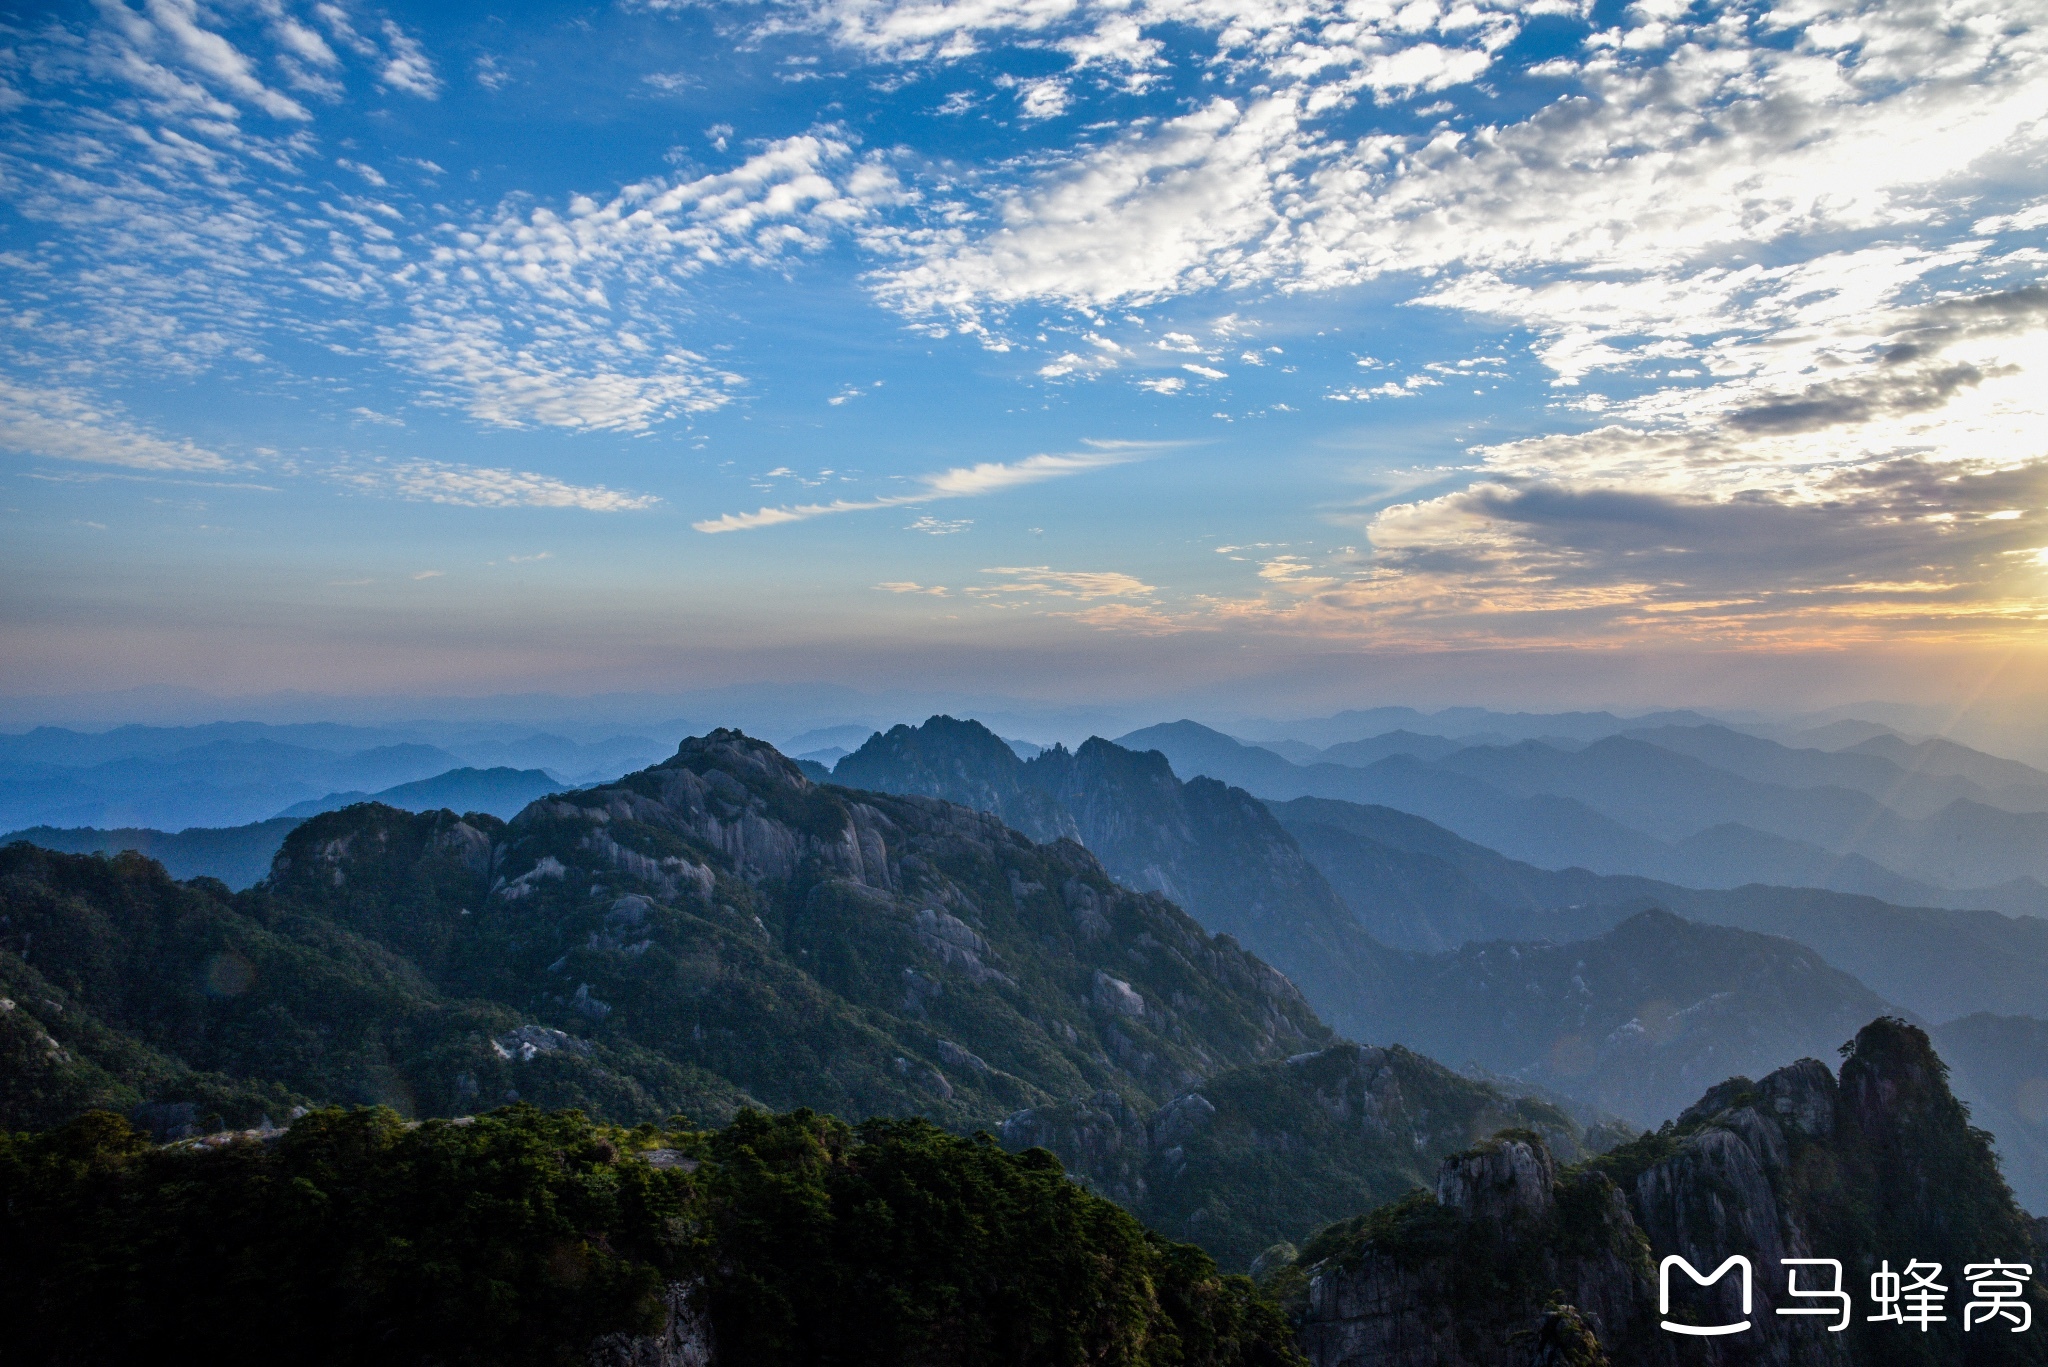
column 712, row 929
column 524, row 1238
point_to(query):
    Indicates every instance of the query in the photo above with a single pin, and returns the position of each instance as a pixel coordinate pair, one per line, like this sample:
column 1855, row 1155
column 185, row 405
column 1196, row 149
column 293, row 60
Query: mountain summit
column 1213, row 849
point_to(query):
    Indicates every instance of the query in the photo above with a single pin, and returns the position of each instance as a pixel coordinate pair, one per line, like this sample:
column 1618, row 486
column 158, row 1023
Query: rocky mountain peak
column 1878, row 1164
column 1508, row 1178
column 1214, row 850
column 720, row 929
column 733, row 752
column 1891, row 1074
column 958, row 761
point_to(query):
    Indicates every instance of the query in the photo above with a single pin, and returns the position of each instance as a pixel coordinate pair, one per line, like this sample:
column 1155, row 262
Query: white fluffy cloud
column 1046, row 581
column 1874, row 117
column 66, row 424
column 1788, row 257
column 471, row 486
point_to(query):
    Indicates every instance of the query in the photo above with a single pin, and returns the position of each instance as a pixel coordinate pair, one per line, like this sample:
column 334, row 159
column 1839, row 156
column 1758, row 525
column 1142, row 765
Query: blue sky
column 1035, row 344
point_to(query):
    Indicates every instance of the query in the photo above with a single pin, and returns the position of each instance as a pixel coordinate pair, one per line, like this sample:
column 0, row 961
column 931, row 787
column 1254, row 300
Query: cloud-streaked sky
column 674, row 342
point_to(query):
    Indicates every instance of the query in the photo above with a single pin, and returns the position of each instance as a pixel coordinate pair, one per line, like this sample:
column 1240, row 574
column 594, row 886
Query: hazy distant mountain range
column 240, row 855
column 233, row 773
column 501, row 792
column 714, row 930
column 1647, row 803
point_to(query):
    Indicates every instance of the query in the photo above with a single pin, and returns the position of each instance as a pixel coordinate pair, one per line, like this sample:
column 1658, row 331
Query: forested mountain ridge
column 1269, row 1153
column 713, row 929
column 712, row 932
column 718, row 930
column 1211, row 849
column 1671, row 1007
column 1636, row 1021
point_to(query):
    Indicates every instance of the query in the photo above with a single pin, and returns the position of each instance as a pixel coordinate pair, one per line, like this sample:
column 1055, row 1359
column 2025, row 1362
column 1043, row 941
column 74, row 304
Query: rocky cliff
column 1510, row 1261
column 1213, row 850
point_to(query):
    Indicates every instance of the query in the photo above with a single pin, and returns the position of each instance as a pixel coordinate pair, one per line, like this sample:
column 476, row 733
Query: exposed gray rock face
column 528, row 1041
column 684, row 1340
column 1400, row 1292
column 1117, row 996
column 1101, row 1138
column 717, row 809
column 1214, row 850
column 1506, row 1181
column 1181, row 1119
column 1463, row 1283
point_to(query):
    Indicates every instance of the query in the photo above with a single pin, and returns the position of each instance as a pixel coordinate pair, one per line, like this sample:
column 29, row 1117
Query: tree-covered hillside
column 1267, row 1154
column 525, row 1238
column 714, row 929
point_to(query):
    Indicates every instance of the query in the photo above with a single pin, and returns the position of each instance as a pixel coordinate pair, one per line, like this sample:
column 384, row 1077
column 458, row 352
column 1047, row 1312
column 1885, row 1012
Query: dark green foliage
column 58, row 1060
column 1294, row 1144
column 350, row 1239
column 711, row 931
column 1483, row 1284
column 245, row 1006
column 1565, row 1339
column 521, row 1237
column 894, row 1242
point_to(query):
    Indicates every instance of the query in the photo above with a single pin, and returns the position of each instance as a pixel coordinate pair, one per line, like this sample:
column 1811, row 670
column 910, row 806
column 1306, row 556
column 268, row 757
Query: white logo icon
column 1664, row 1293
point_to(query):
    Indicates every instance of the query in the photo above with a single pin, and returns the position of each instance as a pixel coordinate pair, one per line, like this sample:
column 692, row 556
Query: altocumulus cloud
column 1852, row 429
column 473, row 486
column 66, row 424
column 1779, row 269
column 200, row 226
